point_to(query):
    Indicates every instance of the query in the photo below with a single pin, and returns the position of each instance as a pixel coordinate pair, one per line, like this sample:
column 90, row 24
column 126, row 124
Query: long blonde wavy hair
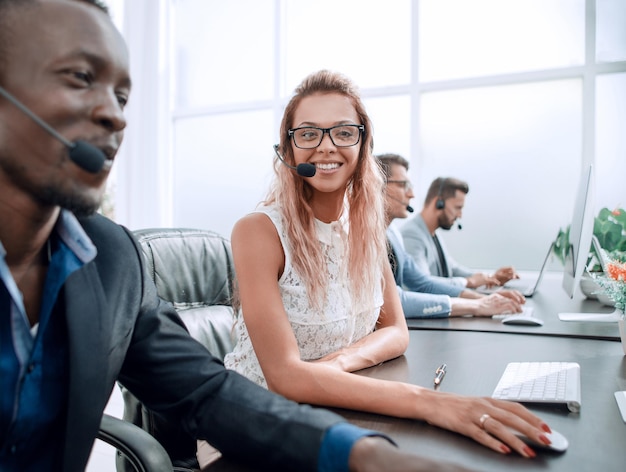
column 364, row 199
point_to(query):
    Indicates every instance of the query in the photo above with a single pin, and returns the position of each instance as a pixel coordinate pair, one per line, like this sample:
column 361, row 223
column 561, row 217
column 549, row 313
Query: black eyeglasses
column 309, row 137
column 404, row 183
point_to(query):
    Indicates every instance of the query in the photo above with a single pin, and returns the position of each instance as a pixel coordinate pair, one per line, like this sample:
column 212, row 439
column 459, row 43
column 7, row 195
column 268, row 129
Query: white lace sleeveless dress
column 340, row 322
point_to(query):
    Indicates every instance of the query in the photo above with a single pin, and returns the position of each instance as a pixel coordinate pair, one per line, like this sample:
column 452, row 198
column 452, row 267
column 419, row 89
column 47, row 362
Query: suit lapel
column 88, row 348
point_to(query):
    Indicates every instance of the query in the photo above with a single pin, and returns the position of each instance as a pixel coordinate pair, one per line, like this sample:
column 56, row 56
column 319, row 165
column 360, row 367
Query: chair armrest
column 142, row 450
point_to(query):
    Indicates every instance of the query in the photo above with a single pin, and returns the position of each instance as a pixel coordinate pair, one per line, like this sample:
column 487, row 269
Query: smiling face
column 334, row 165
column 76, row 79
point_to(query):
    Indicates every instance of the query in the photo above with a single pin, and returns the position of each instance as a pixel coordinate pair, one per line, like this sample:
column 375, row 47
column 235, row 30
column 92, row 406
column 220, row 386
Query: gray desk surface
column 475, row 360
column 477, row 351
column 547, row 303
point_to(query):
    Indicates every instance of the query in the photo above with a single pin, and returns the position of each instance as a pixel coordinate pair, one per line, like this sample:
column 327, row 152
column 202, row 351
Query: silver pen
column 440, row 373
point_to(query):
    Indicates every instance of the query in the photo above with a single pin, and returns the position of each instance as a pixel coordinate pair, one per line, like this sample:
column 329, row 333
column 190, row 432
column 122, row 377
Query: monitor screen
column 581, row 231
column 580, row 238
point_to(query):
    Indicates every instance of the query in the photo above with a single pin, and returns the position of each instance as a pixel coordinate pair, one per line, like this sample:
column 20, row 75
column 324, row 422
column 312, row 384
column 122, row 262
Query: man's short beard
column 77, row 204
column 444, row 223
column 51, row 194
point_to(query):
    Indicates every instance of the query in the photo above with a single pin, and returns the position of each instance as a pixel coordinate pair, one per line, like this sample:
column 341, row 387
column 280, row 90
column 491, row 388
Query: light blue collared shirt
column 72, row 234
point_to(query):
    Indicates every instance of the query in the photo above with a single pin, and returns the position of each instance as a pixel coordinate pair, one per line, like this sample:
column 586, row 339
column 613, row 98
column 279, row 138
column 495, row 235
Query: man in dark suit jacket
column 77, row 310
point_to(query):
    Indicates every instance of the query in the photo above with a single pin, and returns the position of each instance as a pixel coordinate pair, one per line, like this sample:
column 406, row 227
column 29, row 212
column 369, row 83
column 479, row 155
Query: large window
column 513, row 96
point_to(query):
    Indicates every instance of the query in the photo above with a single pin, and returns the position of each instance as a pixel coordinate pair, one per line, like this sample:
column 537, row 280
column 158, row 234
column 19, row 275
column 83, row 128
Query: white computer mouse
column 522, row 319
column 559, row 442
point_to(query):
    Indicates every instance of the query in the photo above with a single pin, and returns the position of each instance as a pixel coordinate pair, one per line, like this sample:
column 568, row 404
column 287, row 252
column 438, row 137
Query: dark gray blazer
column 119, row 329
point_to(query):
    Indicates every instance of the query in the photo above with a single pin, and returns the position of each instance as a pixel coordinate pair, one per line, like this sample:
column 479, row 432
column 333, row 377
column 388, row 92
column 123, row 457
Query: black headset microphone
column 440, row 204
column 84, row 155
column 409, row 208
column 303, row 170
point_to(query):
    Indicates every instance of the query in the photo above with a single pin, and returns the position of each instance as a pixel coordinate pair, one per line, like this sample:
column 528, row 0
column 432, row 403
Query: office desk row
column 476, row 352
column 547, row 303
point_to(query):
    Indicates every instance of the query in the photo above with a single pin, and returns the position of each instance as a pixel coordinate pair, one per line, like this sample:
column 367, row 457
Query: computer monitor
column 580, row 233
column 580, row 239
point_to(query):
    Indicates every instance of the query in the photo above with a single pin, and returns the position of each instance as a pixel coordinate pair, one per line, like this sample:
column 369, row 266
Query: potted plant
column 609, row 227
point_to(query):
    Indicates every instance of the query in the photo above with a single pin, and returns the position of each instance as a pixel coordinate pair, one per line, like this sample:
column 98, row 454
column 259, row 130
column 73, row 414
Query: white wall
column 516, row 106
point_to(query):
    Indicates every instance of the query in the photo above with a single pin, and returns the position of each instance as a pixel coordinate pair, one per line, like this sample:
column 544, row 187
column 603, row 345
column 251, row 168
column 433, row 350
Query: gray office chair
column 193, row 270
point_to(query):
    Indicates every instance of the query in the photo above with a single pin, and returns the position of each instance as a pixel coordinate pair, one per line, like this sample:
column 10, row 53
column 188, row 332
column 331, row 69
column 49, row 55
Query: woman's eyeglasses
column 309, row 137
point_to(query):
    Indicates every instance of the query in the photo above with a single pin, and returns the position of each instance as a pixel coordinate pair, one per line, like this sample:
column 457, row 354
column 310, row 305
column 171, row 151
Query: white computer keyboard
column 526, row 311
column 541, row 382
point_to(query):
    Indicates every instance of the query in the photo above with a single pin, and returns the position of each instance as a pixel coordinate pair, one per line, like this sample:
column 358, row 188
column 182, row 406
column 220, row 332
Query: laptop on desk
column 527, row 289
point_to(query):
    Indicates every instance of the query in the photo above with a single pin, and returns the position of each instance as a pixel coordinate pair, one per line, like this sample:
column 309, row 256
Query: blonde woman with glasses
column 317, row 296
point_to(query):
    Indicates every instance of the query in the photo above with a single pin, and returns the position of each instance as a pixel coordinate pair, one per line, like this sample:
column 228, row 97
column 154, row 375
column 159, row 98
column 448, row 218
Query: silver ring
column 482, row 420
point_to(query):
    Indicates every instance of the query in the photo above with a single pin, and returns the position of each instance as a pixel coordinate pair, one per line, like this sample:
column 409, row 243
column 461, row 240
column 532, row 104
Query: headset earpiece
column 440, row 203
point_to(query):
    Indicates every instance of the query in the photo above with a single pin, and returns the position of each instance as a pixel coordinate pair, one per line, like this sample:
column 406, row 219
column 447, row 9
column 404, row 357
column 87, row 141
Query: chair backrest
column 193, row 270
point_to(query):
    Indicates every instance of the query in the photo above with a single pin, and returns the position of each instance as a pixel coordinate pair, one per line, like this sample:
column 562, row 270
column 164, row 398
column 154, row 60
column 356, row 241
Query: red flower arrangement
column 614, row 283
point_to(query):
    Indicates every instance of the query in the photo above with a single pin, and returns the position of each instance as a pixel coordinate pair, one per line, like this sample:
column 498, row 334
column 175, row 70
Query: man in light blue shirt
column 421, row 295
column 443, row 205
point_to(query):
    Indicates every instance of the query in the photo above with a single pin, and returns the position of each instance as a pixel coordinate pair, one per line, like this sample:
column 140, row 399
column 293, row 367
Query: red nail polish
column 546, row 428
column 506, row 449
column 544, row 439
column 529, row 452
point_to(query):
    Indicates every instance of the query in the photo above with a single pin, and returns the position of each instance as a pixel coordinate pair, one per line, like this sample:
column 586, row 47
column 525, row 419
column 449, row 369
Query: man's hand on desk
column 479, row 279
column 487, row 305
column 515, row 295
column 496, row 304
column 499, row 277
column 373, row 454
column 504, row 274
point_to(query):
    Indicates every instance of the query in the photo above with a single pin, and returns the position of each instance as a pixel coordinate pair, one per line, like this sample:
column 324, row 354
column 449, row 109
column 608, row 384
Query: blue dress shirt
column 33, row 360
column 421, row 295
